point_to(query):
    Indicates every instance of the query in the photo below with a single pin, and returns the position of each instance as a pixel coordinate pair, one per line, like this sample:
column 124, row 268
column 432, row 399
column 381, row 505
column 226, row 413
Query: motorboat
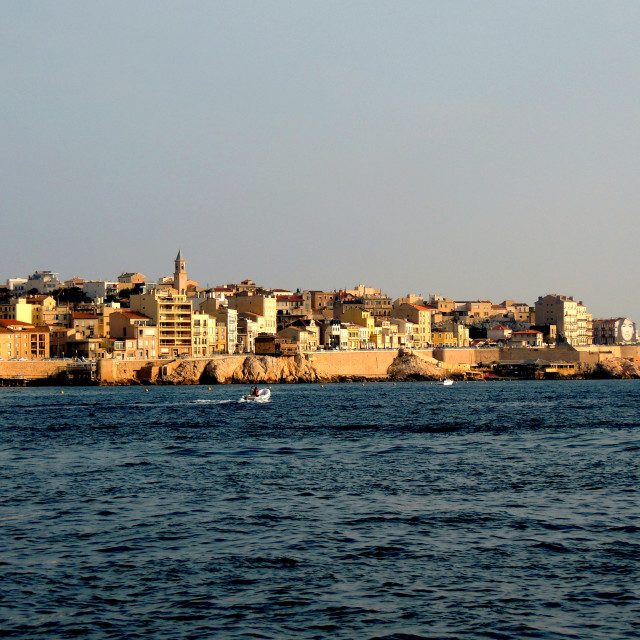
column 261, row 396
column 447, row 382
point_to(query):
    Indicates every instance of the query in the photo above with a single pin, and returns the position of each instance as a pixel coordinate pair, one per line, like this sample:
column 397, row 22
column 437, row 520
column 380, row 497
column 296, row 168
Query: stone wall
column 31, row 369
column 368, row 364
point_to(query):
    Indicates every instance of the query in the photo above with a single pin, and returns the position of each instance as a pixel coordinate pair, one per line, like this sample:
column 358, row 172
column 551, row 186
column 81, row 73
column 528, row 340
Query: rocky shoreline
column 269, row 370
column 406, row 367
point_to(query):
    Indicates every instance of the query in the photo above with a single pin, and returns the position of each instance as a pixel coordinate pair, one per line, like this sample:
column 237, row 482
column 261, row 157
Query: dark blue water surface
column 482, row 510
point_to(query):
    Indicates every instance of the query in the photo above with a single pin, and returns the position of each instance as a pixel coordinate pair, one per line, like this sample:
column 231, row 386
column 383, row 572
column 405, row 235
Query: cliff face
column 253, row 369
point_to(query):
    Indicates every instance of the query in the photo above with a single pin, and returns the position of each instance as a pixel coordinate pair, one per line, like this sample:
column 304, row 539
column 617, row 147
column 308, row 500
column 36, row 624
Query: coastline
column 326, row 368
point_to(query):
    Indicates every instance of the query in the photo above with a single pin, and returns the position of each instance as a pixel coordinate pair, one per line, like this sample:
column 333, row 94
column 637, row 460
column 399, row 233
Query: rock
column 407, row 366
column 259, row 369
column 612, row 367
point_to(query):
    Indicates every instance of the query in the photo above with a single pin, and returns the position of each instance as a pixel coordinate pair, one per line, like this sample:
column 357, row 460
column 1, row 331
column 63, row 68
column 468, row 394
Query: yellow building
column 17, row 309
column 363, row 319
column 443, row 337
column 203, row 334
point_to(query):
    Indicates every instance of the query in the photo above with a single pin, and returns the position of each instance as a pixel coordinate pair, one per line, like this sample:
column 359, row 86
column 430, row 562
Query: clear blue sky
column 478, row 149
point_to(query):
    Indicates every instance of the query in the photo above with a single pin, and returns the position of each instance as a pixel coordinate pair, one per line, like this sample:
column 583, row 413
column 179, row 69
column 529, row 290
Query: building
column 22, row 340
column 226, row 324
column 133, row 335
column 87, row 325
column 364, row 319
column 172, row 314
column 614, row 331
column 477, row 309
column 100, row 289
column 570, row 317
column 17, row 285
column 44, row 282
column 420, row 316
column 203, row 334
column 499, row 333
column 529, row 338
column 17, row 309
column 260, row 304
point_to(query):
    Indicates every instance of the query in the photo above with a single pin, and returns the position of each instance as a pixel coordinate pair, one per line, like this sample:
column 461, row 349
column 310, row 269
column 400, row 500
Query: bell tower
column 180, row 275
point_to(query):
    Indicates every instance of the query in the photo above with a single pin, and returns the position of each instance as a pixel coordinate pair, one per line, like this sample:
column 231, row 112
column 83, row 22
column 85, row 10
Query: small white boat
column 447, row 382
column 262, row 396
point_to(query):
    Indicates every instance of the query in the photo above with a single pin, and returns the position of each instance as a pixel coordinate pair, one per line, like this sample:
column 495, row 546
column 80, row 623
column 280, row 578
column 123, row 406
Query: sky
column 474, row 149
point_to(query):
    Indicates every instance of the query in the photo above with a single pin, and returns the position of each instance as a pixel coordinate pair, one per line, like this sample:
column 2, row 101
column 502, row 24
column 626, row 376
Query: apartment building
column 260, row 304
column 203, row 334
column 172, row 314
column 133, row 335
column 573, row 323
column 420, row 316
column 22, row 340
column 614, row 331
column 226, row 324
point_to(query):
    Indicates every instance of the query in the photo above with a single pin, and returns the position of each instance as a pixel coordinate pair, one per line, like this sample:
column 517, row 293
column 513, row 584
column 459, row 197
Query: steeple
column 180, row 275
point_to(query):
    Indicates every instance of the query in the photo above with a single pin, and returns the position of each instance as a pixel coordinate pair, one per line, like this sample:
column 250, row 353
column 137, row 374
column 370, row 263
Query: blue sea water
column 347, row 511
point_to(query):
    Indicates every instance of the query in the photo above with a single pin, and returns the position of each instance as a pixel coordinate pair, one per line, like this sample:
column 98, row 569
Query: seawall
column 311, row 367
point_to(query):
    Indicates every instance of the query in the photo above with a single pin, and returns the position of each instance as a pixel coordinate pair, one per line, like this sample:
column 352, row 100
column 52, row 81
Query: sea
column 405, row 511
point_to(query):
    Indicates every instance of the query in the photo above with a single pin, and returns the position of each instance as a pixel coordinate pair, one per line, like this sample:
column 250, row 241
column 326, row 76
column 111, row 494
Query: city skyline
column 478, row 150
column 182, row 272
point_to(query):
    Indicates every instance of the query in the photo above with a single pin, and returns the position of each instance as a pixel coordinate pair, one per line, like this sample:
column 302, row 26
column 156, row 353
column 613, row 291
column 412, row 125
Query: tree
column 74, row 295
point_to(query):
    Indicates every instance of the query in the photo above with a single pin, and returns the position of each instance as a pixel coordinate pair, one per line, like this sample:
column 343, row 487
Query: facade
column 614, row 331
column 404, row 330
column 21, row 340
column 573, row 323
column 441, row 304
column 100, row 289
column 203, row 334
column 43, row 282
column 499, row 333
column 227, row 338
column 420, row 316
column 264, row 305
column 17, row 285
column 443, row 336
column 379, row 306
column 322, row 300
column 477, row 309
column 133, row 335
column 171, row 313
column 87, row 325
column 129, row 279
column 288, row 308
column 17, row 309
column 530, row 338
column 363, row 319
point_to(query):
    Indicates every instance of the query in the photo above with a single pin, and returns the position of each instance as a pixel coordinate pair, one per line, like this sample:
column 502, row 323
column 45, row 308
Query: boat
column 262, row 396
column 447, row 382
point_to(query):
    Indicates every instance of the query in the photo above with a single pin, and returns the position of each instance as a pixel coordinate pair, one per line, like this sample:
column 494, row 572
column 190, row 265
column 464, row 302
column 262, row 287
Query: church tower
column 180, row 275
